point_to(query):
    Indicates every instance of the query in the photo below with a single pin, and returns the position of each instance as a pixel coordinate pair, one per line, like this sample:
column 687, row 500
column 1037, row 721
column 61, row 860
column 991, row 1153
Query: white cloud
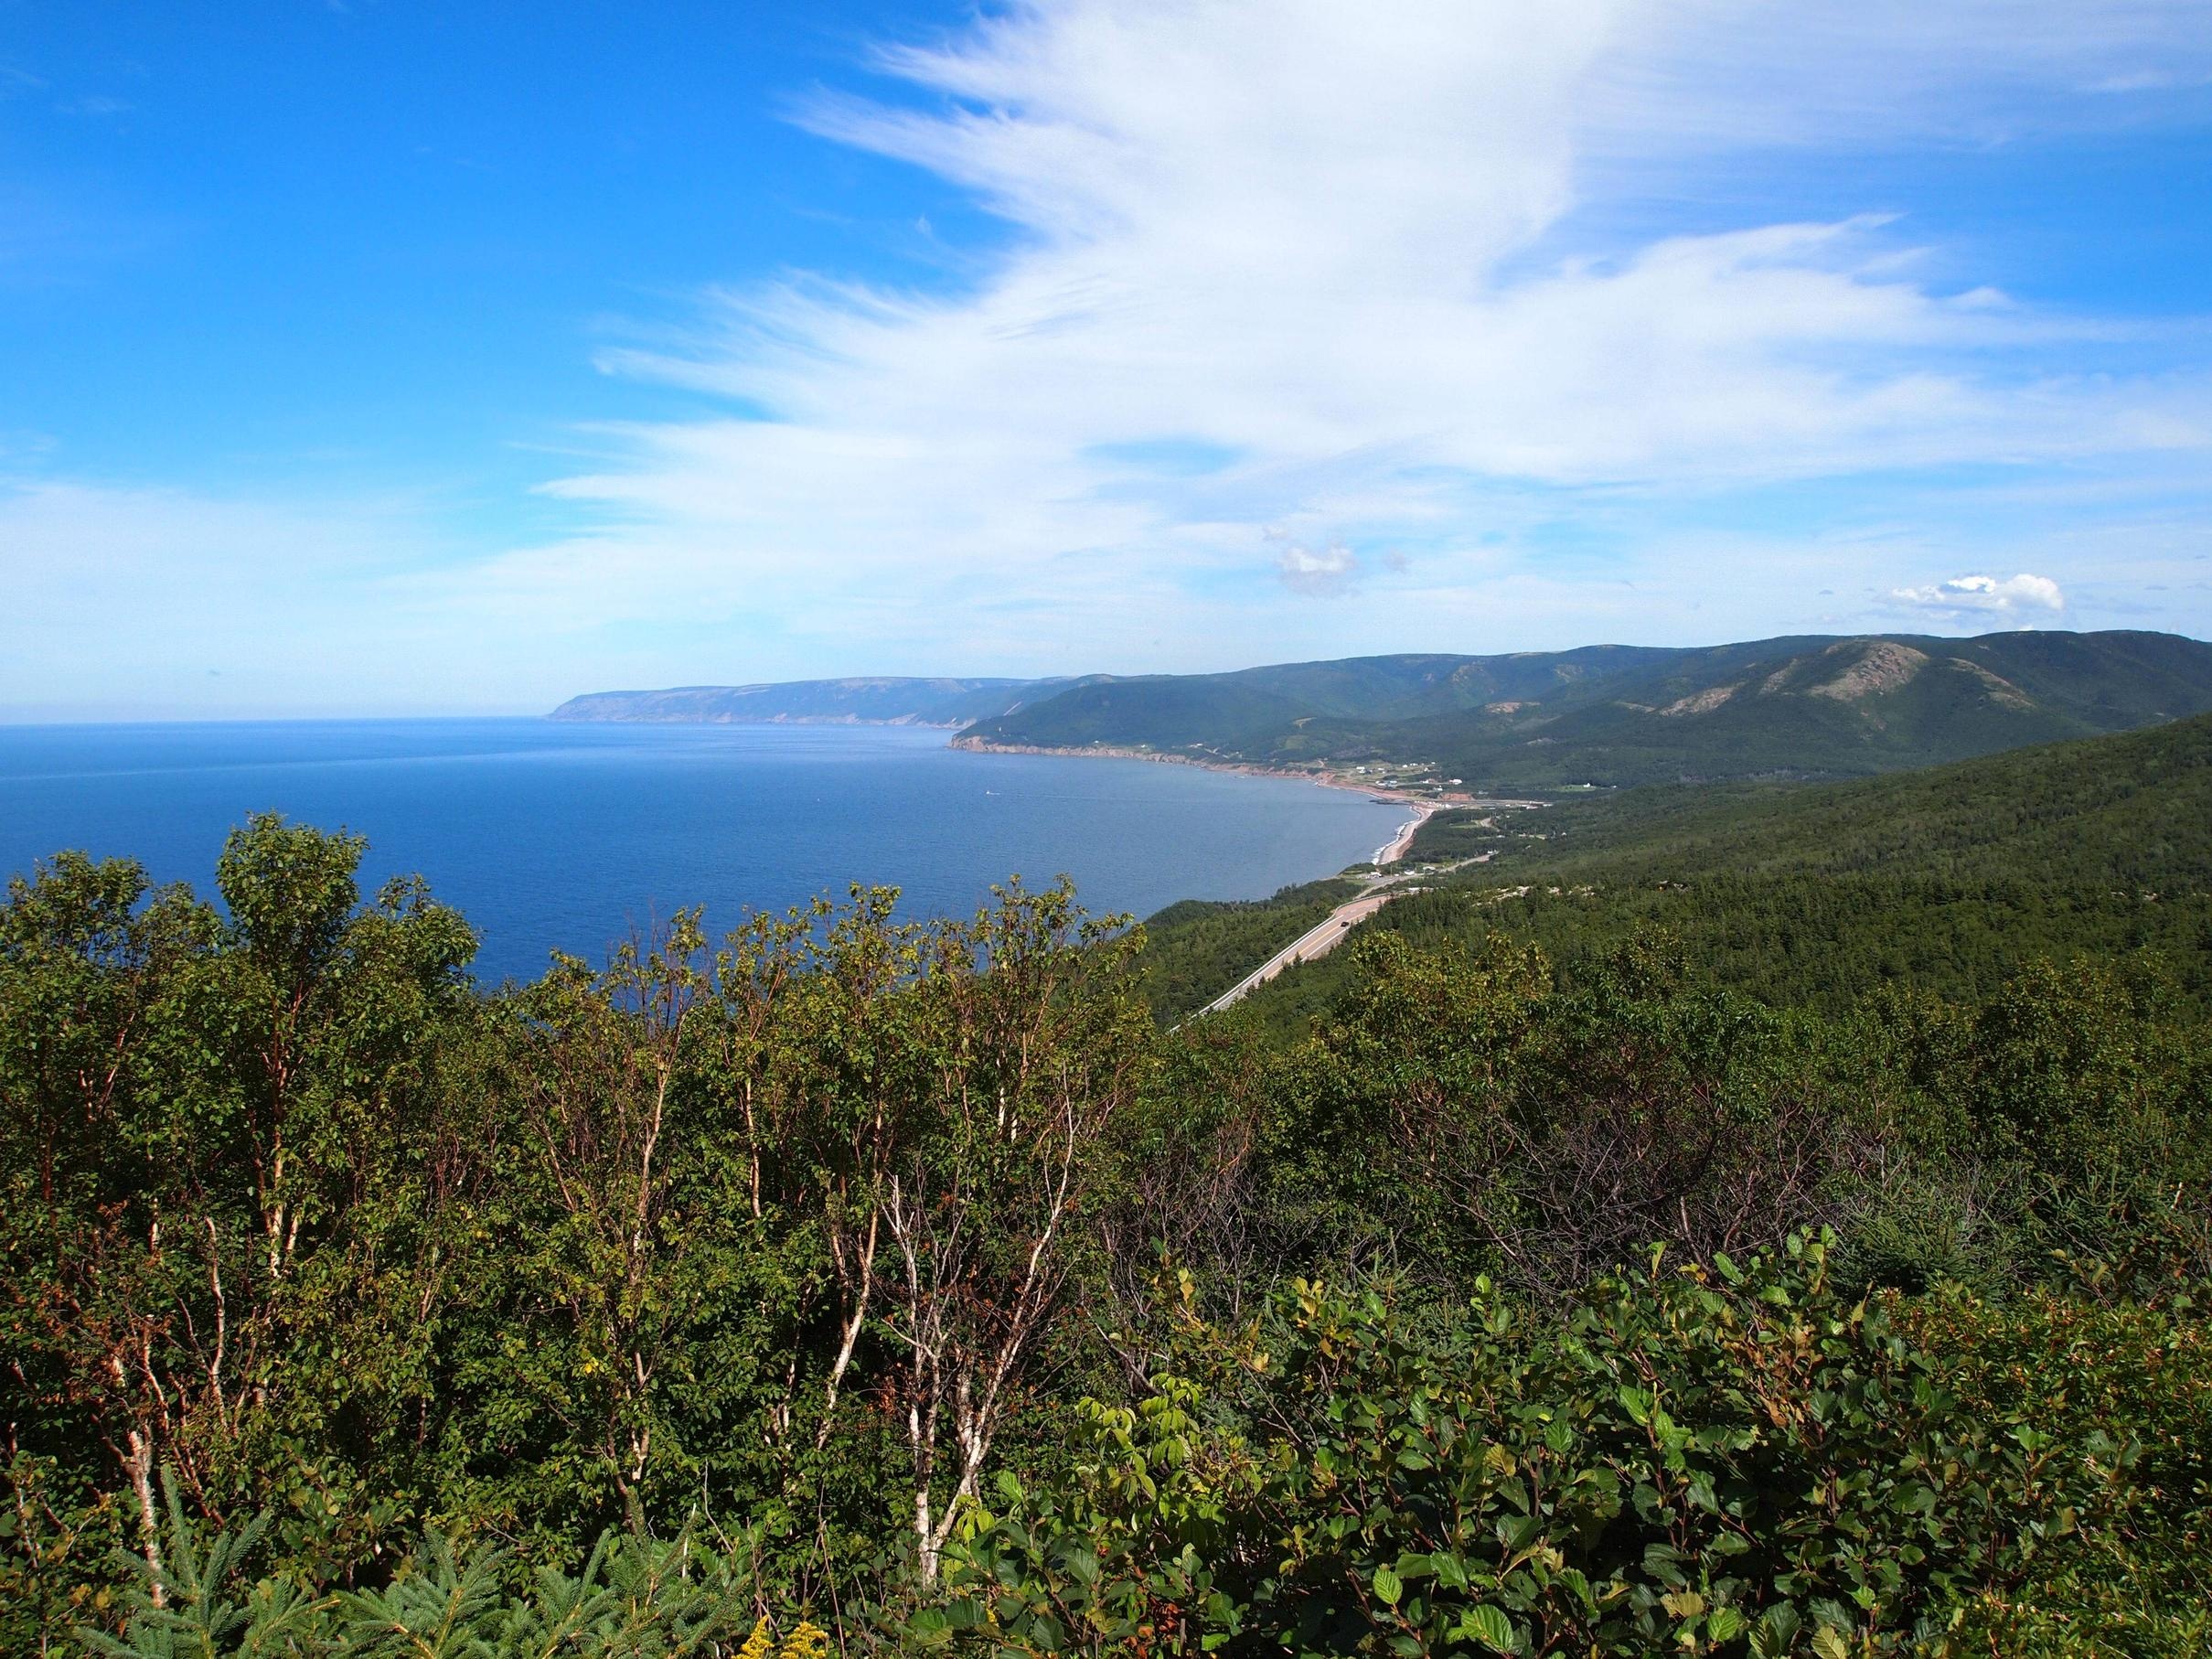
column 1318, row 571
column 1337, row 244
column 1366, row 275
column 1984, row 596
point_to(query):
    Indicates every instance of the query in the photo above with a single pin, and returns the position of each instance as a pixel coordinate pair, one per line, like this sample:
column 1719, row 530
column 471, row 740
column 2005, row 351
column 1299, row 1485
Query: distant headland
column 1806, row 706
column 872, row 700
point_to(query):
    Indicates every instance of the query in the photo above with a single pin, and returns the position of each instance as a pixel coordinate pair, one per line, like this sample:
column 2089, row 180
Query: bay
column 570, row 837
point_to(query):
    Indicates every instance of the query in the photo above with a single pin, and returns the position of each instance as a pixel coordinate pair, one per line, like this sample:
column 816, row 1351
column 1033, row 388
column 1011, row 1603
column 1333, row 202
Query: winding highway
column 1314, row 942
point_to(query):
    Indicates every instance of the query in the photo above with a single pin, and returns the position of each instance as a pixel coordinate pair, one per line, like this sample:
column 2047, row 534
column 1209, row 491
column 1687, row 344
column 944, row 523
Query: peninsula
column 1434, row 726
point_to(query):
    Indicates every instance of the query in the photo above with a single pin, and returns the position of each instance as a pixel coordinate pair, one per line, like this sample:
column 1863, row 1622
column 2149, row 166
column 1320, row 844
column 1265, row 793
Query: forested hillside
column 1805, row 707
column 1199, row 947
column 1950, row 879
column 2132, row 811
column 884, row 1287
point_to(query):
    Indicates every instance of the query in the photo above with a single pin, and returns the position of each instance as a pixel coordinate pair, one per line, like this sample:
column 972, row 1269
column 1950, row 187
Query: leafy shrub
column 1740, row 1460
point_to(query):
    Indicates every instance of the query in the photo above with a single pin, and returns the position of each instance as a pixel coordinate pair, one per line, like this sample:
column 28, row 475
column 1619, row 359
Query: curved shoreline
column 1402, row 843
column 1424, row 807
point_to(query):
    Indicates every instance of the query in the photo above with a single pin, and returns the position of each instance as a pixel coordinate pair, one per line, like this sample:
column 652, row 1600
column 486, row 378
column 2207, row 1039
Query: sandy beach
column 1402, row 843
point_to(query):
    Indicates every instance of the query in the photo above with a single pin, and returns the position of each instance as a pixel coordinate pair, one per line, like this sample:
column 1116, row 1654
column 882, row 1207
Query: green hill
column 2130, row 811
column 1950, row 879
column 1521, row 1306
column 1805, row 707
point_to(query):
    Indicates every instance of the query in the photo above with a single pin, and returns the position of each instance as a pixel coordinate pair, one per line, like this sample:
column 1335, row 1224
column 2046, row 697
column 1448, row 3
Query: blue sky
column 381, row 357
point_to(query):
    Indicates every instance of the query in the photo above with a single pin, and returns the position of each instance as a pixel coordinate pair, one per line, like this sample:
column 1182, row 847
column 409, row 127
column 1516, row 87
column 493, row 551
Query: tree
column 1033, row 1036
column 205, row 1117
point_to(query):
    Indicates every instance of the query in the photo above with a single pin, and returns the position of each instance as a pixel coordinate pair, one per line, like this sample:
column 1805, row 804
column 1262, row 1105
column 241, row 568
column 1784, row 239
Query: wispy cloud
column 129, row 602
column 1339, row 251
column 1280, row 282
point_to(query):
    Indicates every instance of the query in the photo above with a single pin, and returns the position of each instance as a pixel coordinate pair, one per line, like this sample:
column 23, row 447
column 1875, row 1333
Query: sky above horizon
column 377, row 358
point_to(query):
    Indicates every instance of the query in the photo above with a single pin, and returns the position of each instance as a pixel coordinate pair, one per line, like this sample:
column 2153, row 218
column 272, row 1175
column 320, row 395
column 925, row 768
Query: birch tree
column 1033, row 1047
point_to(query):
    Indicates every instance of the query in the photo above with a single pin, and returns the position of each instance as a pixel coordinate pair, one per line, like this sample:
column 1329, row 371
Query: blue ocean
column 569, row 837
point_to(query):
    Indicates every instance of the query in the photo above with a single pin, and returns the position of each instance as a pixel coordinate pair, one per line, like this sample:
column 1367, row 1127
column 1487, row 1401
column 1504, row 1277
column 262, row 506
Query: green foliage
column 1952, row 880
column 1196, row 950
column 2125, row 812
column 1469, row 1110
column 1736, row 1460
column 1462, row 833
column 632, row 1598
column 291, row 1207
column 2089, row 1372
column 1108, row 1556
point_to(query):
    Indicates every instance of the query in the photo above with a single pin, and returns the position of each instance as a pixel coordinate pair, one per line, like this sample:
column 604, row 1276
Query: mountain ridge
column 1795, row 706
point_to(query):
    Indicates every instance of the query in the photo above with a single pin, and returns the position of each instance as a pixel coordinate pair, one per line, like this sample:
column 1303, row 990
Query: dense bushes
column 1744, row 1459
column 908, row 1280
column 289, row 1209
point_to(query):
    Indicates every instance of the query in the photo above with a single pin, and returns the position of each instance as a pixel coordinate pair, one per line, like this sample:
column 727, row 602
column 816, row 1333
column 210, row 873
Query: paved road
column 1315, row 942
column 1325, row 937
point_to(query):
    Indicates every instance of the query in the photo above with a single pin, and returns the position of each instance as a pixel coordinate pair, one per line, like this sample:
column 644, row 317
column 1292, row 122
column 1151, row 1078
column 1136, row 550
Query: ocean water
column 556, row 836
